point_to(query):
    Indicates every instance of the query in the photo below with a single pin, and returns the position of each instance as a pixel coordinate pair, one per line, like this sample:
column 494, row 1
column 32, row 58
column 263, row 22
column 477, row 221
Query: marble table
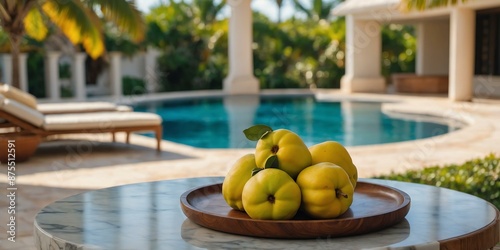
column 149, row 216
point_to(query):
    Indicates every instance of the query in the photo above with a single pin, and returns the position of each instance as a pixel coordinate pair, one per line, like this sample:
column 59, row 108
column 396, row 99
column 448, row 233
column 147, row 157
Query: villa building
column 461, row 43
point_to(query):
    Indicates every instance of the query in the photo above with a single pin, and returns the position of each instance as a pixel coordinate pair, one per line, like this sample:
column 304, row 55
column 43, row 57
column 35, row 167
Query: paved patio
column 69, row 165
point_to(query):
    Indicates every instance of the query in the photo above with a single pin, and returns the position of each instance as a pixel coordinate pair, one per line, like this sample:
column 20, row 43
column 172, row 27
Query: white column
column 7, row 69
column 462, row 35
column 52, row 85
column 240, row 79
column 115, row 74
column 78, row 75
column 363, row 56
column 23, row 72
column 433, row 53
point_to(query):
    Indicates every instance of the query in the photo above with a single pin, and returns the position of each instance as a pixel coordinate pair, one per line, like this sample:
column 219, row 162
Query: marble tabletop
column 149, row 216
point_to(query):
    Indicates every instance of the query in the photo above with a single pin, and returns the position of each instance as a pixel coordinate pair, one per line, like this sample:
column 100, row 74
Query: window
column 487, row 58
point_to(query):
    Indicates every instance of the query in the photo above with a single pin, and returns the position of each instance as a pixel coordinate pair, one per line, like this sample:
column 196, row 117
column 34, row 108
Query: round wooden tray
column 375, row 207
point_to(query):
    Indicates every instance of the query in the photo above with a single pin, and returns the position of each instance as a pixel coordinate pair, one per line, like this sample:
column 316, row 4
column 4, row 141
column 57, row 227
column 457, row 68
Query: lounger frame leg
column 158, row 134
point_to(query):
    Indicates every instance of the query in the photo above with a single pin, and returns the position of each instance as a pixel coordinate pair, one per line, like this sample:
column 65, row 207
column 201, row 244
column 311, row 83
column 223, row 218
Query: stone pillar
column 433, row 53
column 363, row 57
column 240, row 79
column 23, row 72
column 462, row 35
column 52, row 85
column 115, row 74
column 7, row 69
column 78, row 75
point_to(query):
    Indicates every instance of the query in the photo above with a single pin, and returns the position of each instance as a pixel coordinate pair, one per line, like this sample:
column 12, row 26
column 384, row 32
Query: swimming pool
column 218, row 122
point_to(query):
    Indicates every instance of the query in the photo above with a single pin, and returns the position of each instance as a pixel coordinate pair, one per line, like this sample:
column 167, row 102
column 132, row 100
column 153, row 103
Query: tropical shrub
column 479, row 177
column 66, row 92
column 133, row 86
column 298, row 53
column 36, row 74
column 398, row 49
column 194, row 49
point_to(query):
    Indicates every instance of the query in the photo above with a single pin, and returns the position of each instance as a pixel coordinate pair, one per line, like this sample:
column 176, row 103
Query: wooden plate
column 375, row 207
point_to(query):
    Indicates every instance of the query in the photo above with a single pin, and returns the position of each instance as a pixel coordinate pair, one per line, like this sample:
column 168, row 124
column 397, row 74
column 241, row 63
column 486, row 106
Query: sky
column 267, row 7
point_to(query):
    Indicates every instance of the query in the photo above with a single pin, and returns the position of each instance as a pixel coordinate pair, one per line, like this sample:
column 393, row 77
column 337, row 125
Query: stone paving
column 64, row 166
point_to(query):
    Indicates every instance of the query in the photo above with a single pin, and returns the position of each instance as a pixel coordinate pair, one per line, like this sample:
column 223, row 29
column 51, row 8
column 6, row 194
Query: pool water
column 219, row 122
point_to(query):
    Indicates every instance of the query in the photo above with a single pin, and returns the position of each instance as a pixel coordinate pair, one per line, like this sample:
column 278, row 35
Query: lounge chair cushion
column 18, row 95
column 101, row 120
column 124, row 108
column 23, row 112
column 80, row 107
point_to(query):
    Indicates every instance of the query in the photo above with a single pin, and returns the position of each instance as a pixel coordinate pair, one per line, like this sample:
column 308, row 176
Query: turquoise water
column 219, row 122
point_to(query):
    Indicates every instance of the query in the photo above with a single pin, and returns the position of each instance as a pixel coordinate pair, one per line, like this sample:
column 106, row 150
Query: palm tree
column 426, row 4
column 77, row 19
column 280, row 5
column 208, row 10
column 319, row 9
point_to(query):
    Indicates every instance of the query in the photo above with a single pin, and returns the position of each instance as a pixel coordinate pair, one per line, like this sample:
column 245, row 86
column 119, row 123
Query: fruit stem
column 340, row 193
column 271, row 198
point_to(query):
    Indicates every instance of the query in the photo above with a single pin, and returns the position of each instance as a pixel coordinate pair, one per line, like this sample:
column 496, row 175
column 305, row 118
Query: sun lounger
column 80, row 107
column 31, row 120
column 58, row 108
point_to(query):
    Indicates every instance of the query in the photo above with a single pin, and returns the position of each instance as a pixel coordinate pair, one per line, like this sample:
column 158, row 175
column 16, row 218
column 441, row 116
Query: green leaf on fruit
column 254, row 133
column 256, row 170
column 272, row 162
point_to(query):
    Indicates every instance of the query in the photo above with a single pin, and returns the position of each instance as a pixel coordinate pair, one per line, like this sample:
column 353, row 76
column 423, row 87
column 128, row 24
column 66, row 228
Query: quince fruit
column 271, row 194
column 235, row 180
column 280, row 148
column 326, row 190
column 334, row 152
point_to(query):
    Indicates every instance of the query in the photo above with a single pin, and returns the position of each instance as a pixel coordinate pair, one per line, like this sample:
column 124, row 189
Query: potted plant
column 17, row 146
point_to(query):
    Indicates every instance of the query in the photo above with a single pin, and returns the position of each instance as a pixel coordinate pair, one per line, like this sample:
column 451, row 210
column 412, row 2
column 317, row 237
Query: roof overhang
column 387, row 11
column 363, row 6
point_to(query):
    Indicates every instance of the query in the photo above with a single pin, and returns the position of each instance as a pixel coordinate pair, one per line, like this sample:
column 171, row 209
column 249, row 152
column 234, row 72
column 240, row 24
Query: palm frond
column 12, row 12
column 4, row 14
column 408, row 5
column 35, row 25
column 317, row 6
column 11, row 5
column 219, row 6
column 301, row 7
column 125, row 15
column 208, row 10
column 78, row 23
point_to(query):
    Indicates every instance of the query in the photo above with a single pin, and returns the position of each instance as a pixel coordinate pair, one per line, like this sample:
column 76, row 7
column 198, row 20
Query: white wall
column 433, row 42
column 134, row 66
